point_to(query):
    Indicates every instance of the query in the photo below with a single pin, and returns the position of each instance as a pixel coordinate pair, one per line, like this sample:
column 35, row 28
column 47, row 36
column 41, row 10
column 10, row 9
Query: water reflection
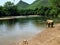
column 16, row 29
column 39, row 23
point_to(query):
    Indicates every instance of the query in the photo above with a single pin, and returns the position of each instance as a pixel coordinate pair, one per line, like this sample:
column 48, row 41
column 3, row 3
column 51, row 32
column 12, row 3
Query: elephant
column 50, row 23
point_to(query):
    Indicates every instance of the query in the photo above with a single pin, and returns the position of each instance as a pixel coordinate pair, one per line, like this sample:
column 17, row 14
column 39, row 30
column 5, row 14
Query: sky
column 2, row 2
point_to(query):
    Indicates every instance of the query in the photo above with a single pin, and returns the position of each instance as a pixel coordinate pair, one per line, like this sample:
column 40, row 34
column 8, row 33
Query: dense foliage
column 39, row 3
column 9, row 9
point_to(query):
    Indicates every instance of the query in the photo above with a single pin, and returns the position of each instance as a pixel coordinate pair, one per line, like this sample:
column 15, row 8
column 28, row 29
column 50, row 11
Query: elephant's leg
column 48, row 24
column 52, row 24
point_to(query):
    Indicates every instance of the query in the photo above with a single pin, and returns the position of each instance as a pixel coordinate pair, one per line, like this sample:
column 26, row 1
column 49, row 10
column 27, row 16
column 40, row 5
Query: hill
column 39, row 3
column 22, row 4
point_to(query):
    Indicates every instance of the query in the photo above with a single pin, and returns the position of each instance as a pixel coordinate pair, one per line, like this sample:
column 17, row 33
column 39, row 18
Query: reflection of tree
column 38, row 23
column 23, row 21
column 11, row 22
column 1, row 22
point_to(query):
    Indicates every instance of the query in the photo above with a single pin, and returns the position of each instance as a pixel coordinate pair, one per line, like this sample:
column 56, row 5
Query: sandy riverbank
column 50, row 36
column 15, row 17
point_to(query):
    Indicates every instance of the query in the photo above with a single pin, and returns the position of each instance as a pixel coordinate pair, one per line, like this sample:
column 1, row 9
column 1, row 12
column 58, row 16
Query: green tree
column 55, row 3
column 8, row 4
column 1, row 11
column 11, row 9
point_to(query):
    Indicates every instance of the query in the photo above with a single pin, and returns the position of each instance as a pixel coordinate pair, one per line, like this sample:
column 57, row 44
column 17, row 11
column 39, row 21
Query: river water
column 14, row 30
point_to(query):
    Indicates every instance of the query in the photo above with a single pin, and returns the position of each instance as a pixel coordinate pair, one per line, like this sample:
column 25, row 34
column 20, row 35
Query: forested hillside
column 21, row 4
column 39, row 3
column 45, row 8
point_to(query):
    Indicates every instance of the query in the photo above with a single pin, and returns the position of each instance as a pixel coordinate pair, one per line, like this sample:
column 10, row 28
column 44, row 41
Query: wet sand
column 50, row 36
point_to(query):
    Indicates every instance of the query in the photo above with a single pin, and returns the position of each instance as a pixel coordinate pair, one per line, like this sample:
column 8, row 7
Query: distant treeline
column 9, row 9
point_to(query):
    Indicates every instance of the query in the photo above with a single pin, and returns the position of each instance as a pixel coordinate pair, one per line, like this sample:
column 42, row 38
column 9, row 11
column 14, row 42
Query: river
column 14, row 30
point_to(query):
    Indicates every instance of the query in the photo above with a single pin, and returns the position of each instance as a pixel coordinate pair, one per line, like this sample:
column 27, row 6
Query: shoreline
column 50, row 36
column 16, row 17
